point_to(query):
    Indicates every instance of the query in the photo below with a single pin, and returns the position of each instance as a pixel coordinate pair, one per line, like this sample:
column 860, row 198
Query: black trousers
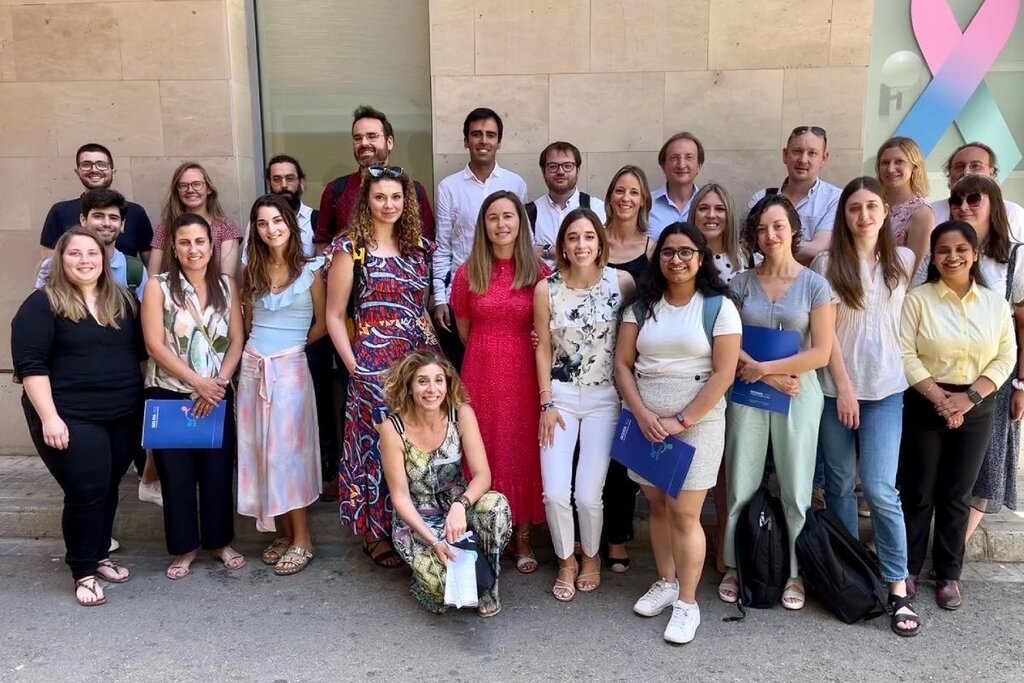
column 619, row 504
column 206, row 520
column 320, row 358
column 937, row 471
column 89, row 472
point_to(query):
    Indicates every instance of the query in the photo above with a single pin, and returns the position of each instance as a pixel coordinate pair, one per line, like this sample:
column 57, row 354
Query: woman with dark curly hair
column 382, row 264
column 673, row 370
column 780, row 294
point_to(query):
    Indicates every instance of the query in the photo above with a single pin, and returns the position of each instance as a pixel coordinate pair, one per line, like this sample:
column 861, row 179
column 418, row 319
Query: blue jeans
column 881, row 426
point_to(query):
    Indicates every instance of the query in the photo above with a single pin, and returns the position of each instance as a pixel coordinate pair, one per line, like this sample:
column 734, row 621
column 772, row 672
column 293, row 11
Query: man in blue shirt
column 94, row 167
column 681, row 158
column 816, row 201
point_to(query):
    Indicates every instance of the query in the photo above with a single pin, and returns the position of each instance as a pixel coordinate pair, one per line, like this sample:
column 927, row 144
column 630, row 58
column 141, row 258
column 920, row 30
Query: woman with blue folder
column 779, row 294
column 192, row 323
column 673, row 371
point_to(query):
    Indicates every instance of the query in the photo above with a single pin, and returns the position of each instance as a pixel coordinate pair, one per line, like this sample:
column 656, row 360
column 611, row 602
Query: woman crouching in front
column 421, row 445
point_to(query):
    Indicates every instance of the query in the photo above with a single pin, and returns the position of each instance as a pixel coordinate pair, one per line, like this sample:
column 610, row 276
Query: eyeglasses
column 89, row 165
column 388, row 171
column 816, row 130
column 684, row 253
column 195, row 186
column 973, row 200
column 565, row 166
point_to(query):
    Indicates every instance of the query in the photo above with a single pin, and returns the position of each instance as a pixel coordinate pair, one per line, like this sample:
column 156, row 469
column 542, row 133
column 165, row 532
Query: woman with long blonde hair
column 192, row 191
column 76, row 348
column 492, row 297
column 379, row 271
column 900, row 167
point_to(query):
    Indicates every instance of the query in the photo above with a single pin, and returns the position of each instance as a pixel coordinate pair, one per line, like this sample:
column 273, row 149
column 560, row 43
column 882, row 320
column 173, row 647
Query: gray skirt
column 667, row 396
column 996, row 485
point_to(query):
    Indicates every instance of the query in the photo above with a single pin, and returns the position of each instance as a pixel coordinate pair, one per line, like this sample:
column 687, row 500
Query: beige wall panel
column 67, row 42
column 599, row 167
column 123, row 115
column 173, row 40
column 608, row 112
column 241, row 119
column 196, row 118
column 7, row 63
column 521, row 101
column 525, row 164
column 832, row 98
column 151, row 179
column 19, row 256
column 726, row 109
column 850, row 43
column 766, row 34
column 648, row 35
column 245, row 171
column 238, row 40
column 743, row 172
column 28, row 123
column 452, row 37
column 14, row 438
column 14, row 175
column 532, row 36
column 53, row 180
column 843, row 166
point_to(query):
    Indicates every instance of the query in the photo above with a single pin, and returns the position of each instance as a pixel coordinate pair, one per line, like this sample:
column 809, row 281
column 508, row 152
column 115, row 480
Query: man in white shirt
column 805, row 154
column 681, row 158
column 285, row 177
column 977, row 157
column 560, row 164
column 459, row 197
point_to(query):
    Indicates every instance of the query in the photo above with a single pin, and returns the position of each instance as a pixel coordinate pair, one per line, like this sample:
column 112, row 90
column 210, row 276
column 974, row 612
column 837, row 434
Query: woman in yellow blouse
column 958, row 347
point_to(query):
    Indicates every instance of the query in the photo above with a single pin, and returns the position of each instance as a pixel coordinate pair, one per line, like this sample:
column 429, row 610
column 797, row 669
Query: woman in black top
column 76, row 346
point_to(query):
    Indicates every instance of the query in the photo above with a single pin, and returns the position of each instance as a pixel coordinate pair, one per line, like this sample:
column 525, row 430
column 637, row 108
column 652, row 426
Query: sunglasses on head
column 386, row 171
column 973, row 200
column 816, row 130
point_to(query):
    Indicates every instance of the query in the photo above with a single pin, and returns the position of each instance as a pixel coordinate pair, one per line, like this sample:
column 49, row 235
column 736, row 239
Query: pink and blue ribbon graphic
column 958, row 62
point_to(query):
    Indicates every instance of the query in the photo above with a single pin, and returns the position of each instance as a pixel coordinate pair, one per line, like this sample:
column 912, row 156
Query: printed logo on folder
column 171, row 424
column 663, row 464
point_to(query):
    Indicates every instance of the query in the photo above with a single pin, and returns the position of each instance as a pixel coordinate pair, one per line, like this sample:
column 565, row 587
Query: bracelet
column 544, row 407
column 466, row 505
column 545, row 390
column 683, row 420
column 221, row 381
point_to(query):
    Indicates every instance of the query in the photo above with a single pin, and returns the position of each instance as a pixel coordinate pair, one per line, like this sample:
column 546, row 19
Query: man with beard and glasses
column 977, row 157
column 373, row 138
column 94, row 166
column 286, row 178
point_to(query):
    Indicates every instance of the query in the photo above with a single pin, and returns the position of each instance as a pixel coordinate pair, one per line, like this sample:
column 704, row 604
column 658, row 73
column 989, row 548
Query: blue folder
column 171, row 424
column 663, row 464
column 765, row 343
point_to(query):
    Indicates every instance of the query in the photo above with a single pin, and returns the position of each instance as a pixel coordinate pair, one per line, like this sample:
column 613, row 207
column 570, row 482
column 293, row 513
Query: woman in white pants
column 576, row 311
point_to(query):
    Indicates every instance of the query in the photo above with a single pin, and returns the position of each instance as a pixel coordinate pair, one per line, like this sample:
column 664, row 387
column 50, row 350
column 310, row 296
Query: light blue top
column 664, row 212
column 817, row 210
column 281, row 320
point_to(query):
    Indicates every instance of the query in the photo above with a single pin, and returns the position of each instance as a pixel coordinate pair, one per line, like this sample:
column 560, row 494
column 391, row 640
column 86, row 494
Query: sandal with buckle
column 526, row 564
column 273, row 553
column 110, row 571
column 729, row 588
column 386, row 558
column 566, row 590
column 896, row 603
column 589, row 581
column 231, row 558
column 794, row 594
column 92, row 587
column 294, row 561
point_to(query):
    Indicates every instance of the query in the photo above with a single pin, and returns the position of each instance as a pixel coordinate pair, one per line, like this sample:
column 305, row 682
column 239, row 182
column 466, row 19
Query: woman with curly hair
column 380, row 270
column 428, row 444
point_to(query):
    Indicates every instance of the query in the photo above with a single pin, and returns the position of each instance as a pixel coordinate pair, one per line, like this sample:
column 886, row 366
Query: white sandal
column 794, row 593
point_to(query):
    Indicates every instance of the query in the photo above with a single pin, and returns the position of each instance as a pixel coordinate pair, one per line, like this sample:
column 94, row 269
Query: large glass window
column 320, row 59
column 906, row 58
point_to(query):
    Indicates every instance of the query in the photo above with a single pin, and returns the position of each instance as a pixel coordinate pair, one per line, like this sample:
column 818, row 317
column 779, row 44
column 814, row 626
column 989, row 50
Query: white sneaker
column 114, row 545
column 660, row 595
column 151, row 493
column 682, row 627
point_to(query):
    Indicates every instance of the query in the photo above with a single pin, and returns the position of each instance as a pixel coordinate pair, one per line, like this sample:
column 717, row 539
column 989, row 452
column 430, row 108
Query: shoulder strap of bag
column 198, row 319
column 531, row 212
column 1010, row 268
column 769, row 191
column 584, row 200
column 133, row 267
column 638, row 312
column 337, row 189
column 712, row 306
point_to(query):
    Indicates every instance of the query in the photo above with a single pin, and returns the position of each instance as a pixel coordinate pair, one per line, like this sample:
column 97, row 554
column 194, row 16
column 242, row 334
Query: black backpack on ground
column 762, row 551
column 839, row 569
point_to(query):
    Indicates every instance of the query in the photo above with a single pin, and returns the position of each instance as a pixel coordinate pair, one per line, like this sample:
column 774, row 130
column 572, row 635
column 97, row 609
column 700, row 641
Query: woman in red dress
column 492, row 296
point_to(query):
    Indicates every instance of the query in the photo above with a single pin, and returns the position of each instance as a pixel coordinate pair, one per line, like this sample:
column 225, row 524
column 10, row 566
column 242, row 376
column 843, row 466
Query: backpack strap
column 314, row 217
column 584, row 200
column 712, row 306
column 769, row 191
column 134, row 270
column 337, row 189
column 531, row 212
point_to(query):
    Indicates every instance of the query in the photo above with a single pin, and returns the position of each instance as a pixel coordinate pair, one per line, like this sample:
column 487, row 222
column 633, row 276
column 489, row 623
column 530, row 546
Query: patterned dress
column 436, row 479
column 390, row 321
column 900, row 215
column 500, row 373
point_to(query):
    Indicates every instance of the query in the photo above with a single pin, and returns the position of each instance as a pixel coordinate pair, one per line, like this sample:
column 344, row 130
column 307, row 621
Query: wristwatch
column 975, row 397
column 1017, row 384
column 545, row 251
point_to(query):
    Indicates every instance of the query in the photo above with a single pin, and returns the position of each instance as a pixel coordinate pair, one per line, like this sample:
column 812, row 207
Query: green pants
column 794, row 439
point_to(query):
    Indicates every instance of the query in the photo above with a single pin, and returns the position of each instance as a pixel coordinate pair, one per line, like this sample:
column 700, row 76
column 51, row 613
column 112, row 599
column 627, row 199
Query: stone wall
column 616, row 77
column 158, row 82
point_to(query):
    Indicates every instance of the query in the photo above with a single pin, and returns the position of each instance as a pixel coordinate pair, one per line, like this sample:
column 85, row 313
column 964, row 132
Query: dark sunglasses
column 816, row 130
column 973, row 200
column 388, row 171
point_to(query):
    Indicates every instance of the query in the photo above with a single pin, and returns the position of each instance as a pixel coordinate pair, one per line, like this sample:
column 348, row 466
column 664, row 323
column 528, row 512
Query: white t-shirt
column 672, row 342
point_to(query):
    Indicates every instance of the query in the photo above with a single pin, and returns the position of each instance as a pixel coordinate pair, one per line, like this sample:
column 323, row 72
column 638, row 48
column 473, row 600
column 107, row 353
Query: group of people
column 487, row 346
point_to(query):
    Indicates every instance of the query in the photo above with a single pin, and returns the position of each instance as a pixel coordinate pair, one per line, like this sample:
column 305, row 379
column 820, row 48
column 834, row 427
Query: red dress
column 500, row 374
